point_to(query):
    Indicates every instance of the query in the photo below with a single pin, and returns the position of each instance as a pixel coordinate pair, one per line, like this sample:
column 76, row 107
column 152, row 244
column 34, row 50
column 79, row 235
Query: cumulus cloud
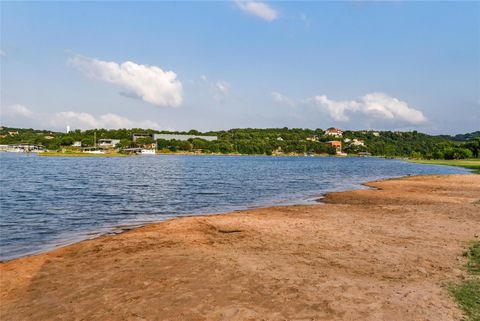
column 16, row 110
column 88, row 121
column 258, row 9
column 375, row 105
column 282, row 99
column 149, row 83
column 76, row 120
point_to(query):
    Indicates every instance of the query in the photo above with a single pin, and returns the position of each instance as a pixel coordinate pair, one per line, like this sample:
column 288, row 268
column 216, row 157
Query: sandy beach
column 378, row 254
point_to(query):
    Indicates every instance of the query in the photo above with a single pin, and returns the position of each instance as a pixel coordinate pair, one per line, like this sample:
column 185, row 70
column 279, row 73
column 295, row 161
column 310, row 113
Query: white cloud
column 282, row 99
column 219, row 89
column 17, row 110
column 336, row 109
column 375, row 105
column 88, row 121
column 2, row 53
column 76, row 120
column 149, row 83
column 258, row 9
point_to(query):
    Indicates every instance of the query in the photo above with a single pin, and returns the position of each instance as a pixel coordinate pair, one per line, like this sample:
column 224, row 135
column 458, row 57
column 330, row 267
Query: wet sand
column 379, row 254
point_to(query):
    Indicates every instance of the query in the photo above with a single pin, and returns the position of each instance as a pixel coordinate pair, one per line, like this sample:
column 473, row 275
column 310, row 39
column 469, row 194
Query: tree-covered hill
column 268, row 141
column 462, row 137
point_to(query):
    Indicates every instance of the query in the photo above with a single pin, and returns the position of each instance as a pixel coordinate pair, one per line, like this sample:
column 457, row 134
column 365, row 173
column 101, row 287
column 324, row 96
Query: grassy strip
column 467, row 293
column 467, row 163
column 80, row 154
column 473, row 256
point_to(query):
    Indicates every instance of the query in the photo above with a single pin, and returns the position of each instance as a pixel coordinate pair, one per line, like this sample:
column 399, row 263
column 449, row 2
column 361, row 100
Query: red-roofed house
column 337, row 145
column 334, row 132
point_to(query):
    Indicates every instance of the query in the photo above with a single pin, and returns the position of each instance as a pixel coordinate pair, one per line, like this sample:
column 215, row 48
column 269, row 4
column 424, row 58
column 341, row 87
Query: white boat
column 147, row 152
column 94, row 152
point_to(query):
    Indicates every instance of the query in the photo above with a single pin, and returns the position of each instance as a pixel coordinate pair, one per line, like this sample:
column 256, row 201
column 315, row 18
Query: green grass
column 473, row 256
column 473, row 163
column 467, row 293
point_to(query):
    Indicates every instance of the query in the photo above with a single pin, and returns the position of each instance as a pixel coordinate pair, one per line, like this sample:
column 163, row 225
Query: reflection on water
column 49, row 201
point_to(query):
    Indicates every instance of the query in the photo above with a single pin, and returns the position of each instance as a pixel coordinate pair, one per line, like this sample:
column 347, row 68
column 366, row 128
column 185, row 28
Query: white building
column 107, row 142
column 182, row 137
column 172, row 136
column 334, row 132
column 357, row 142
column 77, row 144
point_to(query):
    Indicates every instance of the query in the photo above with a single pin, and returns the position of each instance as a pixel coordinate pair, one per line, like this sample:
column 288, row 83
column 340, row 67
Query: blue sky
column 219, row 65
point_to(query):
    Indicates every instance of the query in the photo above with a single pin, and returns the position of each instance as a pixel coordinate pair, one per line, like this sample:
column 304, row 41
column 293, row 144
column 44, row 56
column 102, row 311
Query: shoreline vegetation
column 467, row 292
column 473, row 163
column 274, row 263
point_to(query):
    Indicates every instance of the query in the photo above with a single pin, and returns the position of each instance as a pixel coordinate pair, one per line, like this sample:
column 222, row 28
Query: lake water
column 51, row 201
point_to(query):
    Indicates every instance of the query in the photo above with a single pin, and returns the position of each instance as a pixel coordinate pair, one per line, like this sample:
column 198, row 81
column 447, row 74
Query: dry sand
column 366, row 255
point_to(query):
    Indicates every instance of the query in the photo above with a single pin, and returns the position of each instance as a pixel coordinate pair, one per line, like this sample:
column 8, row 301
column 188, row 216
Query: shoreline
column 318, row 199
column 332, row 261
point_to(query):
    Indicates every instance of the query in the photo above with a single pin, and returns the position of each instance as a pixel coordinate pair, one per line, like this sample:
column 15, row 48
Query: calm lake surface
column 52, row 201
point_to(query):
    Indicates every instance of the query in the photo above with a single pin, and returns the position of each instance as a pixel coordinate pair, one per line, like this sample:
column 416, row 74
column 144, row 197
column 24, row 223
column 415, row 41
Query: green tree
column 125, row 143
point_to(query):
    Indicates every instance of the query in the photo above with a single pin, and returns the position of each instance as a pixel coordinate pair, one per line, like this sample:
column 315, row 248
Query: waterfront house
column 337, row 145
column 108, row 142
column 77, row 144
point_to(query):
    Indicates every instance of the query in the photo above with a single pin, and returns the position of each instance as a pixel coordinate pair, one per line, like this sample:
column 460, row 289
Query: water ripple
column 50, row 201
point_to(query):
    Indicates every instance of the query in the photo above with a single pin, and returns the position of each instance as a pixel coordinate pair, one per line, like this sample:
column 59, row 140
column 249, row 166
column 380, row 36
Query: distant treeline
column 267, row 141
column 462, row 137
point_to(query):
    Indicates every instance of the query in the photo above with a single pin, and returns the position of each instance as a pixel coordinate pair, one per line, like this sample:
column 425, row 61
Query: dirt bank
column 366, row 255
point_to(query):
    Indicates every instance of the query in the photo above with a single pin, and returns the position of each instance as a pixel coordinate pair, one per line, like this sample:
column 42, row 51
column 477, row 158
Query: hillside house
column 337, row 145
column 334, row 132
column 108, row 142
column 357, row 142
